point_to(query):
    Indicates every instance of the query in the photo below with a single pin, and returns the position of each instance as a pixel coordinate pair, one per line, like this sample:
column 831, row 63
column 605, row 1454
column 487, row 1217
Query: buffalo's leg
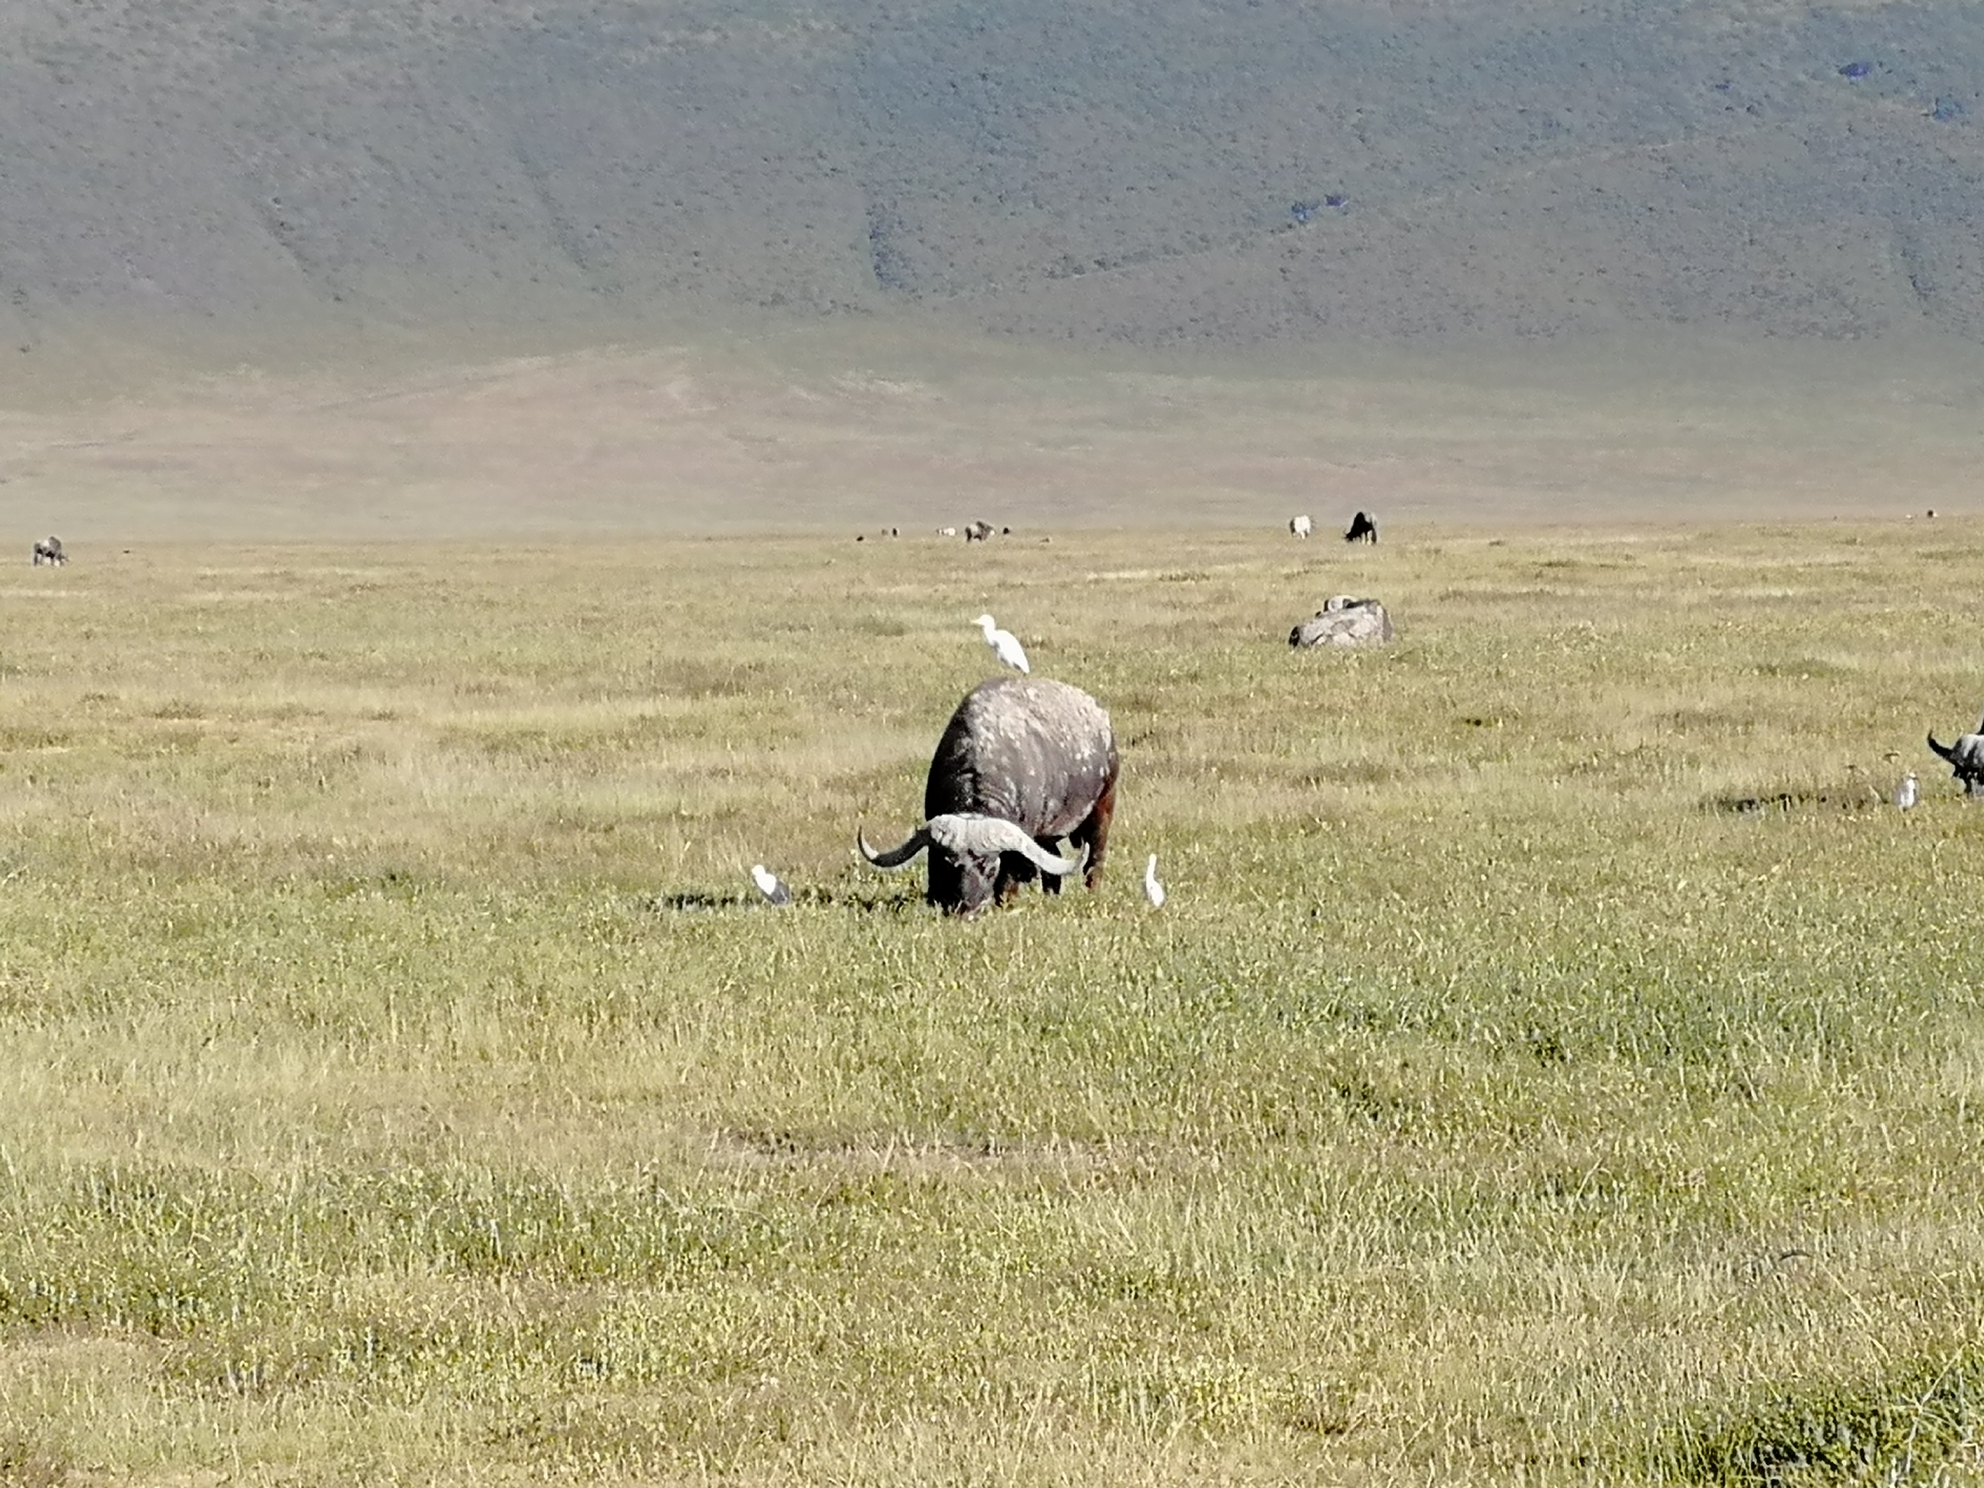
column 1015, row 872
column 1093, row 834
column 1050, row 883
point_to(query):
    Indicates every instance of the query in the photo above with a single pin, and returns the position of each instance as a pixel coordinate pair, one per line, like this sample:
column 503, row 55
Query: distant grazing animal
column 49, row 550
column 1005, row 645
column 1907, row 793
column 978, row 532
column 1966, row 759
column 947, row 532
column 1301, row 526
column 1153, row 890
column 1023, row 763
column 769, row 885
column 1362, row 529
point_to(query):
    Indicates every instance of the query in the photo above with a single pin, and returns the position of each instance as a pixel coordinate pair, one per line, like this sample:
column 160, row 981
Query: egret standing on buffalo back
column 1005, row 645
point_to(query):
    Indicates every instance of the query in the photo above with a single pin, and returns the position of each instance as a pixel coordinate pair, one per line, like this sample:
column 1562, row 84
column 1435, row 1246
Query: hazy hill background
column 897, row 260
column 1110, row 172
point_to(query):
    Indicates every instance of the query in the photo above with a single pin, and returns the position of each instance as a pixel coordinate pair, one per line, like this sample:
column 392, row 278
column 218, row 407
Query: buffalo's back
column 1029, row 749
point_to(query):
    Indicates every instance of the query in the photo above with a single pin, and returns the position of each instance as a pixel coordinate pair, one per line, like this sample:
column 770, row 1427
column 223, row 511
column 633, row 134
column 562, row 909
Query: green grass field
column 1554, row 1064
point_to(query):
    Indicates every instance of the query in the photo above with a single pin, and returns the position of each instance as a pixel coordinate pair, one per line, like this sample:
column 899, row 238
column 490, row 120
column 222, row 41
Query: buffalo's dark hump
column 1031, row 750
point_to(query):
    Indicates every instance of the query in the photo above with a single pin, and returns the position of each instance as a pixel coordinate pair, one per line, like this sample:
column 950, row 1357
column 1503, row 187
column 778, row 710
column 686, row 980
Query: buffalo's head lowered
column 971, row 845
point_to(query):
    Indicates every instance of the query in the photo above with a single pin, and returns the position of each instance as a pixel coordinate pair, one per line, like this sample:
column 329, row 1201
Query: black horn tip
column 894, row 857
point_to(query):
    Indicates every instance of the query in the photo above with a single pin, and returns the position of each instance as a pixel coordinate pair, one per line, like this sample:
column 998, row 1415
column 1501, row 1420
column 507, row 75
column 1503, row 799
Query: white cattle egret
column 1153, row 890
column 1005, row 645
column 1905, row 794
column 768, row 885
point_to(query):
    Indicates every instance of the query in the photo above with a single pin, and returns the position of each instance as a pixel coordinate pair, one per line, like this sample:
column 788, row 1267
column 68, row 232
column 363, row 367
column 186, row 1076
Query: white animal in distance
column 1907, row 793
column 1301, row 526
column 1153, row 890
column 1005, row 645
column 769, row 885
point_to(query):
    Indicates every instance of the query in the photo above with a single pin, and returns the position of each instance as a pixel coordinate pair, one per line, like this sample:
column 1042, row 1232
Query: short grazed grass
column 1554, row 1064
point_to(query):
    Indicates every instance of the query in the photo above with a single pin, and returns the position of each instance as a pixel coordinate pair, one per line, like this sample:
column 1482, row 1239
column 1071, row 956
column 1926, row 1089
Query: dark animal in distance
column 1023, row 763
column 49, row 550
column 1966, row 759
column 978, row 532
column 1362, row 529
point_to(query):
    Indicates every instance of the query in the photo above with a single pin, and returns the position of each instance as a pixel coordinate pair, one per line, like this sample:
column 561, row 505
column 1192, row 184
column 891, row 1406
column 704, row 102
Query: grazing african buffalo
column 978, row 531
column 1023, row 763
column 49, row 550
column 1363, row 528
column 1966, row 759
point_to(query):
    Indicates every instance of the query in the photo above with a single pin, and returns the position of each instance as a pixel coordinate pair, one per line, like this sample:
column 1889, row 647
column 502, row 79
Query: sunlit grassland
column 1553, row 1064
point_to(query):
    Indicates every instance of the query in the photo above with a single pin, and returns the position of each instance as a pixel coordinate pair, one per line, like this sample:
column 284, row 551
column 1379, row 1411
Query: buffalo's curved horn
column 971, row 835
column 1944, row 750
column 895, row 857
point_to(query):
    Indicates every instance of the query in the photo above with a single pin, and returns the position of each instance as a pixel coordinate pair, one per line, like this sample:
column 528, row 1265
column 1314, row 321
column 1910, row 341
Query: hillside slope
column 266, row 176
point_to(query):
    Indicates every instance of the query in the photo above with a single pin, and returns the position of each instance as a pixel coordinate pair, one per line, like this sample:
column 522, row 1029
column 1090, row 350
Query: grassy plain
column 1553, row 1064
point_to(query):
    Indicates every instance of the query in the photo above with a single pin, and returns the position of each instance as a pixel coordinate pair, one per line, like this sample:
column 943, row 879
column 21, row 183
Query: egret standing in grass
column 1153, row 890
column 769, row 885
column 1005, row 645
column 1906, row 794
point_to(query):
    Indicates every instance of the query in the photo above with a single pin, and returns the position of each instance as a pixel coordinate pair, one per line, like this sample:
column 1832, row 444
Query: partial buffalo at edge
column 1966, row 760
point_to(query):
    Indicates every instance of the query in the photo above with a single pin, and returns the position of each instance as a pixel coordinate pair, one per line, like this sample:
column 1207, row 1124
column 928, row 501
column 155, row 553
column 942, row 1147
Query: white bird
column 1005, row 645
column 1906, row 794
column 1153, row 890
column 768, row 885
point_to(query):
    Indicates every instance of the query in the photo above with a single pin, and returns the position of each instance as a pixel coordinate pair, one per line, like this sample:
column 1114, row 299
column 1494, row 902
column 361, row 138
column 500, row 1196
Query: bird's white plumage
column 769, row 885
column 1907, row 793
column 1153, row 890
column 1005, row 645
